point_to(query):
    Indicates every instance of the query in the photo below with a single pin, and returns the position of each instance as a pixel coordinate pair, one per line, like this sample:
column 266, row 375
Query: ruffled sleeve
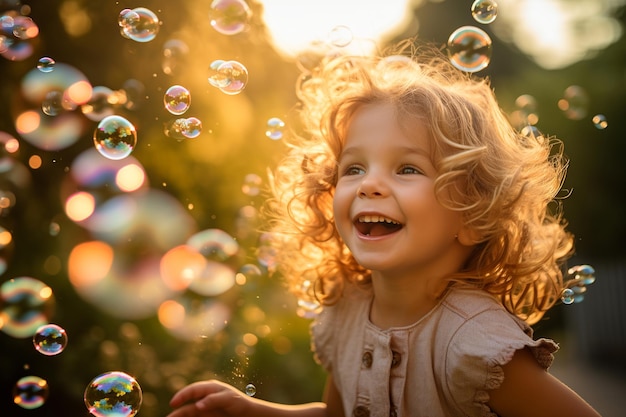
column 477, row 352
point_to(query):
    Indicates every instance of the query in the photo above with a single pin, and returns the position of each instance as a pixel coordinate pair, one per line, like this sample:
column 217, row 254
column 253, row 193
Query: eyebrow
column 404, row 150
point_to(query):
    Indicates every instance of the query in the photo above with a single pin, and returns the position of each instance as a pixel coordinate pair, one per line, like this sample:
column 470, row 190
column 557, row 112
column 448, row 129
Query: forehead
column 381, row 124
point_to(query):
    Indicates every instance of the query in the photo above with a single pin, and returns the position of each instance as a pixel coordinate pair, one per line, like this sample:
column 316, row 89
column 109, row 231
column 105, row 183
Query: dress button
column 361, row 411
column 366, row 359
column 395, row 359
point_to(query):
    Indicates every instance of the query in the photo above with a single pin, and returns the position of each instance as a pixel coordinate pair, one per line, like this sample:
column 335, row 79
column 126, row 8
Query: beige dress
column 441, row 366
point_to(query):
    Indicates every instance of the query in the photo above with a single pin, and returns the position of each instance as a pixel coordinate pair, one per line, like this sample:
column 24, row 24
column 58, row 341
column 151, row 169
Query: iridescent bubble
column 30, row 392
column 174, row 128
column 252, row 185
column 113, row 394
column 599, row 121
column 139, row 24
column 574, row 103
column 16, row 32
column 229, row 17
column 26, row 304
column 190, row 317
column 469, row 49
column 192, row 127
column 585, row 274
column 485, row 11
column 250, row 390
column 275, row 128
column 50, row 339
column 216, row 278
column 100, row 105
column 567, row 296
column 177, row 99
column 340, row 36
column 235, row 76
column 115, row 137
column 45, row 64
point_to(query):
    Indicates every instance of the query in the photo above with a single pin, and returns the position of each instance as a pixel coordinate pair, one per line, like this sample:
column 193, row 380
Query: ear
column 468, row 236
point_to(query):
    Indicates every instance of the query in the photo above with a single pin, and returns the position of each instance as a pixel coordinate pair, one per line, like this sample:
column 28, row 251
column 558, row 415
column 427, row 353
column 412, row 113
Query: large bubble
column 113, row 394
column 469, row 49
column 229, row 17
column 26, row 305
column 139, row 24
column 115, row 137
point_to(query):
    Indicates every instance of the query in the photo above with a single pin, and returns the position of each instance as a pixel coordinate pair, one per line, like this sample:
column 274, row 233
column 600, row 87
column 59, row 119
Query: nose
column 371, row 187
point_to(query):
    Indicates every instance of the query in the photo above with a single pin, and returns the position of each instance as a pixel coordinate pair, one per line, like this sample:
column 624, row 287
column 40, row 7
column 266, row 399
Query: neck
column 400, row 302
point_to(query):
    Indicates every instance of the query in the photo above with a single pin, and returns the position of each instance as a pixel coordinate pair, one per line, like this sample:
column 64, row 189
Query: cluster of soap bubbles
column 576, row 281
column 177, row 100
column 469, row 47
column 230, row 77
column 26, row 306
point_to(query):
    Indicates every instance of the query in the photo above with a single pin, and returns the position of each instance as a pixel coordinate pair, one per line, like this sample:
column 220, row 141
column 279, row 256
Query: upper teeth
column 376, row 219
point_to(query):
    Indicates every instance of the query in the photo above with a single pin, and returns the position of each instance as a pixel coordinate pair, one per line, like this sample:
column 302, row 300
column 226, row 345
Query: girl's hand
column 210, row 398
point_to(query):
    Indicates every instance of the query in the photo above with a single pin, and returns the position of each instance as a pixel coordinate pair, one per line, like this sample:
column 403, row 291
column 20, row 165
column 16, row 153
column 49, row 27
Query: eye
column 353, row 170
column 408, row 169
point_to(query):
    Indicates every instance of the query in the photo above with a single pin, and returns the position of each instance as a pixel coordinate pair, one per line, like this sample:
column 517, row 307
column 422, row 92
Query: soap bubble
column 485, row 11
column 215, row 244
column 30, row 392
column 527, row 106
column 45, row 64
column 216, row 78
column 599, row 121
column 250, row 390
column 192, row 127
column 113, row 394
column 115, row 137
column 235, row 76
column 25, row 305
column 340, row 36
column 275, row 128
column 50, row 339
column 469, row 49
column 574, row 102
column 139, row 24
column 229, row 17
column 177, row 99
column 52, row 104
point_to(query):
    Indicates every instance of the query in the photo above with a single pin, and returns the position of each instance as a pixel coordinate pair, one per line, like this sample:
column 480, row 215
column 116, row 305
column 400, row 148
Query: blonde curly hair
column 505, row 183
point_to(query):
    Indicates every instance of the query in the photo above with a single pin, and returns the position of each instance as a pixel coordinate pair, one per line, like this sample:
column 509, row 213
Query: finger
column 194, row 391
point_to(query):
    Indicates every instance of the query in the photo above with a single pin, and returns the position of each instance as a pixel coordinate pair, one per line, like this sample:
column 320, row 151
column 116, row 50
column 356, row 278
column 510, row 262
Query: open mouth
column 376, row 225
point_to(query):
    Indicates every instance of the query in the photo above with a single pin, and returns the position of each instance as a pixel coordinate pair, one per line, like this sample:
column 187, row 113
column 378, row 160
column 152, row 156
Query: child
column 418, row 217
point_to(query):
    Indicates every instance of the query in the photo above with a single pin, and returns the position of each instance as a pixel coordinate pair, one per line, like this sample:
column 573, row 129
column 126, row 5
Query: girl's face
column 384, row 204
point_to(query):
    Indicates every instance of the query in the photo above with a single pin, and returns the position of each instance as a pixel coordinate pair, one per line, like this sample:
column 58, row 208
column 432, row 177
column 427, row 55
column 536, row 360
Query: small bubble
column 233, row 77
column 469, row 49
column 30, row 392
column 177, row 99
column 50, row 339
column 229, row 17
column 192, row 127
column 113, row 394
column 250, row 390
column 340, row 36
column 574, row 102
column 485, row 11
column 599, row 121
column 52, row 104
column 115, row 137
column 527, row 106
column 45, row 64
column 275, row 128
column 567, row 296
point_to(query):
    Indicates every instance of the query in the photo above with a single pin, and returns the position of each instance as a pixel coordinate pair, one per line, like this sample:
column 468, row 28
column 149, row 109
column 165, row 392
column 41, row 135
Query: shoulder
column 339, row 319
column 485, row 338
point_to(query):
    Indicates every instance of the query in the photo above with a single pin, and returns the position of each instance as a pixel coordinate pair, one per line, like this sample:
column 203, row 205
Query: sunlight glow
column 294, row 25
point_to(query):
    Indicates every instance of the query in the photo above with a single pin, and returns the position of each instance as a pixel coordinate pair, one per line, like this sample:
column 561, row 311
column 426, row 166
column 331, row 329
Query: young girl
column 418, row 217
